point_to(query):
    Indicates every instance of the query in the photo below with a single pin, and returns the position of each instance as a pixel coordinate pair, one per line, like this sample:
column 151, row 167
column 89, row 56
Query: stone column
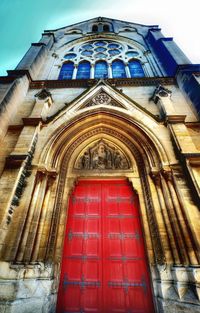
column 51, row 175
column 192, row 246
column 110, row 70
column 75, row 71
column 128, row 74
column 163, row 223
column 176, row 218
column 29, row 218
column 92, row 71
column 171, row 223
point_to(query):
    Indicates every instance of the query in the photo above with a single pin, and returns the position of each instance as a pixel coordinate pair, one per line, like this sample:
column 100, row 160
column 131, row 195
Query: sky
column 23, row 21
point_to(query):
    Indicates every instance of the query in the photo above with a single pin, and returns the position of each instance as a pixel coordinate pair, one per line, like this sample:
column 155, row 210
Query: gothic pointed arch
column 118, row 69
column 67, row 70
column 101, row 70
column 83, row 71
column 135, row 68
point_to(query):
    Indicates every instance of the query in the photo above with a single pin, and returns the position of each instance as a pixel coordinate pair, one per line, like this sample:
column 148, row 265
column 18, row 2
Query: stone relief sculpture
column 102, row 156
column 102, row 98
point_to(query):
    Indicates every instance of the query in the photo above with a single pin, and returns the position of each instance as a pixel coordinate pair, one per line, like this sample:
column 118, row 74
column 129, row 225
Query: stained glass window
column 100, row 43
column 113, row 45
column 70, row 56
column 101, row 70
column 114, row 52
column 87, row 47
column 83, row 70
column 118, row 69
column 100, row 55
column 135, row 68
column 66, row 71
column 132, row 54
column 87, row 52
column 100, row 49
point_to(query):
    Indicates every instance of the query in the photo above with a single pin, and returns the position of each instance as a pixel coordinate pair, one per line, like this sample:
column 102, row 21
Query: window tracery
column 100, row 53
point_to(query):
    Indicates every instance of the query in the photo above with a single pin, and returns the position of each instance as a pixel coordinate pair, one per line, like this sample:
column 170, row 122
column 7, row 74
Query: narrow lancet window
column 118, row 69
column 101, row 70
column 135, row 68
column 83, row 70
column 66, row 71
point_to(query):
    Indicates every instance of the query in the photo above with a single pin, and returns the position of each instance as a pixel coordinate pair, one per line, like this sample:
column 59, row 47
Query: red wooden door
column 104, row 267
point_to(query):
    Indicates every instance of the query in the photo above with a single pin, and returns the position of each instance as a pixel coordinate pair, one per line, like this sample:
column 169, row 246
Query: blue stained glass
column 100, row 43
column 87, row 47
column 87, row 53
column 66, row 71
column 101, row 70
column 132, row 54
column 135, row 68
column 100, row 49
column 114, row 52
column 100, row 55
column 113, row 46
column 83, row 70
column 118, row 69
column 70, row 56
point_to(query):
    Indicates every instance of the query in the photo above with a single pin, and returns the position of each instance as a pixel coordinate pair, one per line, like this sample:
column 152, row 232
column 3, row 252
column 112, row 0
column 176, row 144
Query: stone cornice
column 81, row 83
column 78, row 83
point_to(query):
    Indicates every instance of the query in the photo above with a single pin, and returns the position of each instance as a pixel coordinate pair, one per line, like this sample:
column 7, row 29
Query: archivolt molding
column 65, row 134
column 63, row 186
column 90, row 37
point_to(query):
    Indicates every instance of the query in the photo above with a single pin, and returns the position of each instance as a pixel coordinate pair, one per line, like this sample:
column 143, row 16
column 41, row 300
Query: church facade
column 100, row 173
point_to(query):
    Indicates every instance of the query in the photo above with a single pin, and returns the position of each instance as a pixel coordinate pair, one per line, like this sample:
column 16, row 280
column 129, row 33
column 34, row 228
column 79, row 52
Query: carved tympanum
column 102, row 156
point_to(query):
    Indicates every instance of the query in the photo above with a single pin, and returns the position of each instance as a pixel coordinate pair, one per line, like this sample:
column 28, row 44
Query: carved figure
column 102, row 156
column 86, row 161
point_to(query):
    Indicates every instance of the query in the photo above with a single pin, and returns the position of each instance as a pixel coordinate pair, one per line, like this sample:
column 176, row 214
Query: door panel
column 104, row 267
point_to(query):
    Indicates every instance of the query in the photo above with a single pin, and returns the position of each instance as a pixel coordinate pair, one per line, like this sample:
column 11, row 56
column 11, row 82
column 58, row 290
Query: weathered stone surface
column 155, row 131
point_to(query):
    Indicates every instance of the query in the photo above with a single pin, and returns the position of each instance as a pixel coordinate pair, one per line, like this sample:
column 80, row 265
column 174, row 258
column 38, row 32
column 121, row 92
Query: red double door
column 104, row 267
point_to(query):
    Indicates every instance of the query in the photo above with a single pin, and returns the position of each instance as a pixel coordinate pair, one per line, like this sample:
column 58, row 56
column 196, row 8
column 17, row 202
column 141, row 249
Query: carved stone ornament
column 102, row 156
column 102, row 98
column 161, row 92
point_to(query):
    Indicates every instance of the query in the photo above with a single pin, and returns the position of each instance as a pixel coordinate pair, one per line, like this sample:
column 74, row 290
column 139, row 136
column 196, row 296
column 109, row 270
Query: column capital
column 156, row 177
column 167, row 174
column 51, row 172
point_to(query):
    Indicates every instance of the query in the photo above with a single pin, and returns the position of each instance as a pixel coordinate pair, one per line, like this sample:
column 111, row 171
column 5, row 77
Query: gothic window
column 95, row 28
column 83, row 70
column 66, row 71
column 118, row 69
column 70, row 56
column 106, row 28
column 135, row 68
column 101, row 70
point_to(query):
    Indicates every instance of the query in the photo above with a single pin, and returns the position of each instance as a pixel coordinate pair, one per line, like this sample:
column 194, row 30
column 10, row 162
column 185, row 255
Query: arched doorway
column 104, row 264
column 68, row 147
